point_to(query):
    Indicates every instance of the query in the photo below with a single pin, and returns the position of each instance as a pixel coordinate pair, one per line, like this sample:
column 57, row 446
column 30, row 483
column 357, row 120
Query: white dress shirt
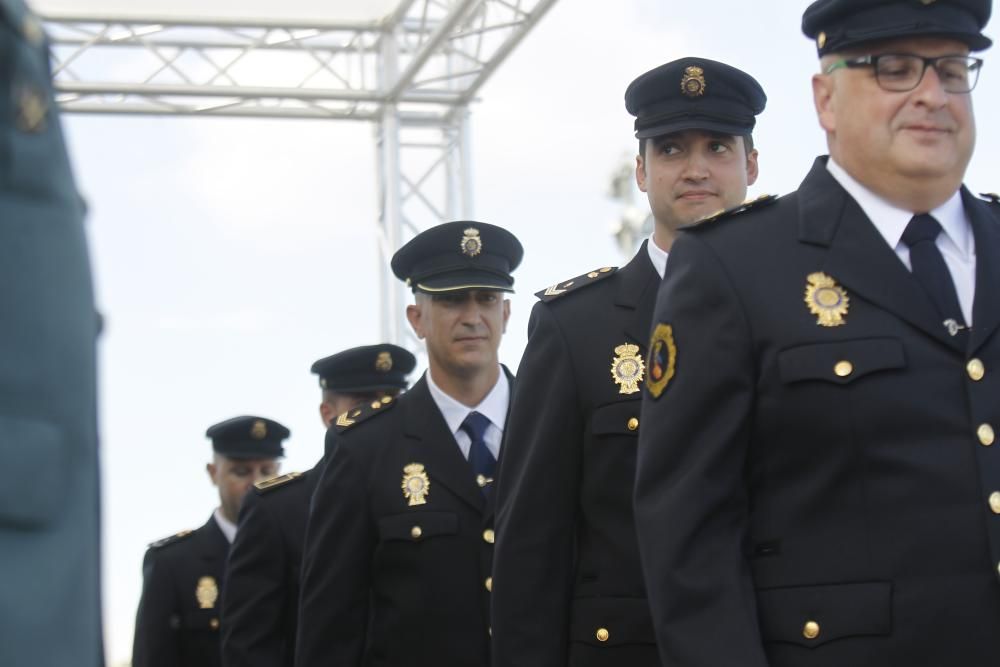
column 227, row 527
column 493, row 407
column 956, row 243
column 658, row 256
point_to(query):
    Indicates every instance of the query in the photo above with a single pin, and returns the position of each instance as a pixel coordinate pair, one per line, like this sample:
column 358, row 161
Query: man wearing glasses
column 818, row 479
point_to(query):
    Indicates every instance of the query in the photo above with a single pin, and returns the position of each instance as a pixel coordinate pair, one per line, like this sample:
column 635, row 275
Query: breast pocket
column 33, row 159
column 417, row 527
column 617, row 419
column 841, row 362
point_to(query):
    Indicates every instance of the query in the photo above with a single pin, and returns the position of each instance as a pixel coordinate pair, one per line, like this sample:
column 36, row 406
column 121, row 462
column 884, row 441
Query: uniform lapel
column 986, row 306
column 434, row 443
column 858, row 256
column 637, row 290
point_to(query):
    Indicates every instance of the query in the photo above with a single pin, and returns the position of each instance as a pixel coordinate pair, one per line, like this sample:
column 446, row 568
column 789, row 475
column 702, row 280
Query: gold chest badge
column 627, row 368
column 206, row 593
column 416, row 485
column 662, row 359
column 827, row 300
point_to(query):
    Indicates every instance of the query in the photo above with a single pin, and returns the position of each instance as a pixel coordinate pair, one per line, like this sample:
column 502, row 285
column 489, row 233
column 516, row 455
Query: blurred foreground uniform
column 261, row 602
column 50, row 610
column 178, row 621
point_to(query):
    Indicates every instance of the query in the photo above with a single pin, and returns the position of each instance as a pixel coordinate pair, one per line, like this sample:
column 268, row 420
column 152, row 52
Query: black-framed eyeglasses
column 901, row 72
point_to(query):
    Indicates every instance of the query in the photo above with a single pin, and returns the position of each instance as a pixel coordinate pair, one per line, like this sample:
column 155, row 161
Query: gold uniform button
column 489, row 584
column 214, row 624
column 633, row 424
column 995, row 502
column 602, row 634
column 32, row 110
column 975, row 369
column 810, row 630
column 489, row 536
column 843, row 369
column 986, row 435
column 31, row 28
column 416, row 532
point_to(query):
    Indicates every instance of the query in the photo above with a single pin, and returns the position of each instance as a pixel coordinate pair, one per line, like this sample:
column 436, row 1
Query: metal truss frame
column 413, row 73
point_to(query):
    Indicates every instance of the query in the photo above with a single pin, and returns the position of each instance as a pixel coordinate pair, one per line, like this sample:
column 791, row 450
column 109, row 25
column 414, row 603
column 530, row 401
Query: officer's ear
column 414, row 314
column 506, row 314
column 823, row 98
column 212, row 471
column 753, row 168
column 640, row 172
column 326, row 413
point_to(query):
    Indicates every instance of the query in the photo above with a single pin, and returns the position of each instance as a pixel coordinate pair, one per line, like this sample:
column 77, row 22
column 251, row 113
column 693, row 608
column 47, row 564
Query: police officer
column 569, row 587
column 261, row 600
column 177, row 624
column 818, row 475
column 50, row 607
column 399, row 542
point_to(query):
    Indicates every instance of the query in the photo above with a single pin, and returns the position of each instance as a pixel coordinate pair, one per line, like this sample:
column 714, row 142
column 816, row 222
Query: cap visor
column 464, row 280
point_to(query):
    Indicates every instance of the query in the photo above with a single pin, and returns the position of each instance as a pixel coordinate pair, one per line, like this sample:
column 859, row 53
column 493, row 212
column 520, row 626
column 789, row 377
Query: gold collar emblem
column 693, row 83
column 662, row 359
column 627, row 368
column 206, row 593
column 383, row 362
column 416, row 484
column 472, row 245
column 827, row 300
column 259, row 430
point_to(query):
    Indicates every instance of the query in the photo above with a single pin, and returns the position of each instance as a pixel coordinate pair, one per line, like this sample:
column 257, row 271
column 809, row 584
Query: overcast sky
column 230, row 254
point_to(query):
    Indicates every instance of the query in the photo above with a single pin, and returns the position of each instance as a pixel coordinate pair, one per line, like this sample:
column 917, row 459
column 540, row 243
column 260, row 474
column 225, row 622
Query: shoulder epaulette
column 749, row 205
column 271, row 483
column 364, row 412
column 166, row 541
column 565, row 287
column 991, row 197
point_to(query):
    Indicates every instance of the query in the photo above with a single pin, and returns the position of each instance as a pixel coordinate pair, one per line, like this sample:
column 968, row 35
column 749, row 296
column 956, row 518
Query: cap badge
column 693, row 83
column 472, row 245
column 627, row 368
column 415, row 484
column 383, row 362
column 821, row 40
column 662, row 359
column 827, row 300
column 259, row 430
column 206, row 593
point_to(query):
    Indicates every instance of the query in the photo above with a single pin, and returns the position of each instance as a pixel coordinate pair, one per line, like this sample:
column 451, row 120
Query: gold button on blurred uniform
column 31, row 28
column 489, row 584
column 31, row 110
column 975, row 369
column 602, row 634
column 416, row 532
column 214, row 624
column 632, row 424
column 489, row 536
column 843, row 369
column 986, row 435
column 995, row 502
column 810, row 630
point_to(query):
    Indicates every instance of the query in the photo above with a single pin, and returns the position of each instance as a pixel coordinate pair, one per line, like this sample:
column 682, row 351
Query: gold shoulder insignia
column 346, row 420
column 170, row 540
column 589, row 278
column 271, row 483
column 991, row 197
column 748, row 205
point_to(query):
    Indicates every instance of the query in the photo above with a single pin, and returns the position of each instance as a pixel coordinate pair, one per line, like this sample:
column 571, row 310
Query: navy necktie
column 480, row 457
column 932, row 273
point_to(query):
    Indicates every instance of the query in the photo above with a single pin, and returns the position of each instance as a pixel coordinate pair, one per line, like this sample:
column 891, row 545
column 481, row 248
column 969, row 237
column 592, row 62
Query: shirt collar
column 657, row 255
column 493, row 407
column 227, row 527
column 891, row 221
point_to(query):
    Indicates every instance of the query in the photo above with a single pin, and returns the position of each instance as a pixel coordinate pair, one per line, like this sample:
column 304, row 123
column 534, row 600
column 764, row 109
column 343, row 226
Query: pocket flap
column 811, row 616
column 34, row 489
column 611, row 621
column 841, row 362
column 417, row 526
column 621, row 418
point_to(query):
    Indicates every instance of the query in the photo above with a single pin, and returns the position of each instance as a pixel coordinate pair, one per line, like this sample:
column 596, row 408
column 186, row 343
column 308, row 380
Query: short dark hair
column 747, row 144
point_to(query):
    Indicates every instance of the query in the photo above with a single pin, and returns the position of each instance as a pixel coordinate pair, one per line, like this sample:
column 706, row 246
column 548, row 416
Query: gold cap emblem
column 821, row 40
column 383, row 362
column 416, row 484
column 207, row 592
column 259, row 430
column 827, row 300
column 693, row 83
column 472, row 245
column 662, row 359
column 627, row 368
